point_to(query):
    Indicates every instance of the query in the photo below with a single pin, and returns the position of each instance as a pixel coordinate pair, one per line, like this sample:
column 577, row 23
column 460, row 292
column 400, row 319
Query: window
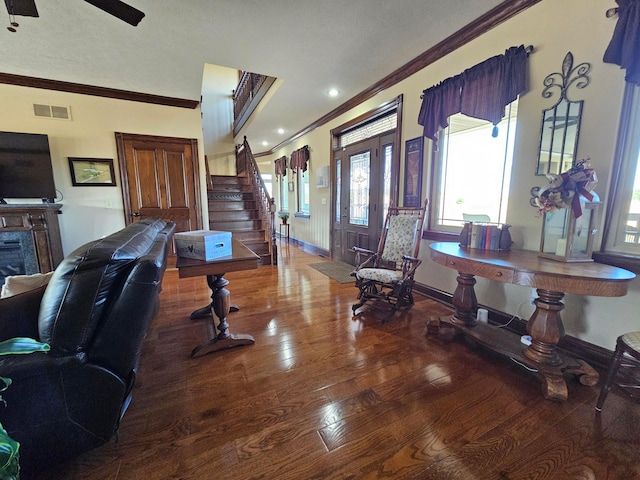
column 303, row 192
column 473, row 171
column 622, row 225
column 284, row 194
column 267, row 178
column 387, row 155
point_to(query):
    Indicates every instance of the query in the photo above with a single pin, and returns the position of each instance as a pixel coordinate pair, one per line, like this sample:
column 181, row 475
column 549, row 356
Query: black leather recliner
column 94, row 313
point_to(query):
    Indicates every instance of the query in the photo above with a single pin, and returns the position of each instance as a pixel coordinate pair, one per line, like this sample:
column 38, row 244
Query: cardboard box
column 203, row 244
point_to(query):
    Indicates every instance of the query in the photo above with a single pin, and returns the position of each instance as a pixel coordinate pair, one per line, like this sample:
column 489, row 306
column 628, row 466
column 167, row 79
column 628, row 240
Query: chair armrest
column 362, row 250
column 409, row 265
column 371, row 257
column 19, row 314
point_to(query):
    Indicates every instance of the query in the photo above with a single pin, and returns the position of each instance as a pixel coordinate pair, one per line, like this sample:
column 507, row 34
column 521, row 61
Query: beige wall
column 91, row 212
column 218, row 84
column 553, row 28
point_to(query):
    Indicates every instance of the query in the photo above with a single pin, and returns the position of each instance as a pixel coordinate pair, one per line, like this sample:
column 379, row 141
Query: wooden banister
column 246, row 166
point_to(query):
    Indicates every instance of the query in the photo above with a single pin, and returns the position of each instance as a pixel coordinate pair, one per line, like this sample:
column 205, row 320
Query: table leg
column 545, row 328
column 464, row 300
column 205, row 312
column 220, row 306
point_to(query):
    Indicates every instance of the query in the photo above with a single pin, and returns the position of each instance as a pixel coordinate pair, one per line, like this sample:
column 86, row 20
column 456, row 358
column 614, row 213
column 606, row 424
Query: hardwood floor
column 325, row 395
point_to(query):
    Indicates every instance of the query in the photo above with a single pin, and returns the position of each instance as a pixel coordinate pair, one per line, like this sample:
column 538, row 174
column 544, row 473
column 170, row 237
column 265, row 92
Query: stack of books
column 486, row 236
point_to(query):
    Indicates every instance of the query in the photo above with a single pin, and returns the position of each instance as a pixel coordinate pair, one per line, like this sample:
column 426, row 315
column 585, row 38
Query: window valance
column 624, row 48
column 281, row 166
column 299, row 159
column 482, row 91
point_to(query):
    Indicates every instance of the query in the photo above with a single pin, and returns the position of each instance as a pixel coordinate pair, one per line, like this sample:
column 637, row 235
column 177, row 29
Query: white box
column 203, row 244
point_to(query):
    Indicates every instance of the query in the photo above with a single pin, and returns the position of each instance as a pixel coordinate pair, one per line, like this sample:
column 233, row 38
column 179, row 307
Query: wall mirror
column 561, row 122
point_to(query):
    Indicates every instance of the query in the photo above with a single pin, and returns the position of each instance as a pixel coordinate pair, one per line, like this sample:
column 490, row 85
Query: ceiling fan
column 27, row 8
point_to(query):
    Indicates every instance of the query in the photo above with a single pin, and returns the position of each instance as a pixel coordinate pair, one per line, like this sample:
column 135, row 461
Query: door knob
column 135, row 214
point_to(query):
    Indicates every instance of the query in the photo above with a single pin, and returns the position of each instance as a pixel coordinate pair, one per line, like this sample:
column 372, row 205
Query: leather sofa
column 94, row 313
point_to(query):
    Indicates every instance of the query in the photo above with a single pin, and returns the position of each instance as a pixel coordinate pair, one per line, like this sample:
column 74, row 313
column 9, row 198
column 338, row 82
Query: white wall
column 553, row 28
column 92, row 212
column 218, row 84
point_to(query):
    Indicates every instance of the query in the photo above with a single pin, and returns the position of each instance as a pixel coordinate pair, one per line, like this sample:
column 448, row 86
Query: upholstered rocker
column 387, row 274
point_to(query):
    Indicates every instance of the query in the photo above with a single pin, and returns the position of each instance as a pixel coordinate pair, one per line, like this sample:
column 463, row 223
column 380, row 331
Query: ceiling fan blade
column 24, row 8
column 118, row 9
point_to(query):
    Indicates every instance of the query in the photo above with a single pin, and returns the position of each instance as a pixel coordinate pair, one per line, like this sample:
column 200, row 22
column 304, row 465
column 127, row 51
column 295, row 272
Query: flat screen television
column 25, row 167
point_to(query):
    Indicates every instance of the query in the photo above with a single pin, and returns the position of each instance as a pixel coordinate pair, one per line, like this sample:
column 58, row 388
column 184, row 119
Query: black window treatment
column 624, row 48
column 482, row 91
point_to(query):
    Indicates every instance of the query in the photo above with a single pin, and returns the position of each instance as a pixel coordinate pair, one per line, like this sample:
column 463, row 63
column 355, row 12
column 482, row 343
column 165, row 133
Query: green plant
column 9, row 458
column 284, row 217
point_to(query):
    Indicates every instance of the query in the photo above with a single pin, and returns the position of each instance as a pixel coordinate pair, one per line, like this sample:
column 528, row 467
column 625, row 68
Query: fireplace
column 29, row 239
column 17, row 254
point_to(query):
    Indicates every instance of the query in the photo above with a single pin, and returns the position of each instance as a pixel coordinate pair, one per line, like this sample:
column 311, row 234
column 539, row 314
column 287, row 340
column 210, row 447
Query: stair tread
column 232, row 196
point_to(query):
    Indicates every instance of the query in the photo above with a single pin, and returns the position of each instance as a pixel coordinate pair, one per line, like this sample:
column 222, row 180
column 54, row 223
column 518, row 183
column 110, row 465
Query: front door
column 362, row 190
column 160, row 179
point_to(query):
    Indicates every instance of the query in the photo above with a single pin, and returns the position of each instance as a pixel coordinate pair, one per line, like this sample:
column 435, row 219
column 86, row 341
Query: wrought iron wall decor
column 560, row 127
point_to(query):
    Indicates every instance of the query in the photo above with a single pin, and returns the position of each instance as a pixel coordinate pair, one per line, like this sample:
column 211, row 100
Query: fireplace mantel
column 41, row 222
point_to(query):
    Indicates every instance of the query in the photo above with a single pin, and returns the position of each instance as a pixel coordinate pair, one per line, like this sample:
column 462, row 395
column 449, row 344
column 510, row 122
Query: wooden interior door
column 160, row 178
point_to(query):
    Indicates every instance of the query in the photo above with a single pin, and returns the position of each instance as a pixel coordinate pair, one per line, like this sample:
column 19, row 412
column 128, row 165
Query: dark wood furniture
column 242, row 258
column 387, row 274
column 552, row 280
column 285, row 227
column 42, row 221
column 623, row 370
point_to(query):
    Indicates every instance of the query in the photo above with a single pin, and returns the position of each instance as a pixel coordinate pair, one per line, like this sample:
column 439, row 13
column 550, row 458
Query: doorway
column 363, row 191
column 365, row 167
column 160, row 178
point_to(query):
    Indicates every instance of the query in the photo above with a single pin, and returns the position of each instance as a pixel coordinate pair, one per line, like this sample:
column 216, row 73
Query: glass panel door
column 359, row 181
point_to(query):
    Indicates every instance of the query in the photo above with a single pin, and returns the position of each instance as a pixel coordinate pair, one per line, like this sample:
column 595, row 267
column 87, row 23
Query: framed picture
column 413, row 159
column 94, row 172
column 291, row 187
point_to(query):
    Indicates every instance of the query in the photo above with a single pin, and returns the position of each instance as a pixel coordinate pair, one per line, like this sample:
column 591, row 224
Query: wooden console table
column 552, row 279
column 242, row 258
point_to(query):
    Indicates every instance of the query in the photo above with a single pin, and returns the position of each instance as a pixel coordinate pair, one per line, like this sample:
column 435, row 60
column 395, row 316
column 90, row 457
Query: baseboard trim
column 306, row 247
column 595, row 355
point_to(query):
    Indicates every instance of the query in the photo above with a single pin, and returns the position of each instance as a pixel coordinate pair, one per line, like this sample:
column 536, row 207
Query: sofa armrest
column 19, row 314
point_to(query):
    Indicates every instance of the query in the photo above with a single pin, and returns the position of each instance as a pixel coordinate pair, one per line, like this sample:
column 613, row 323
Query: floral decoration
column 565, row 190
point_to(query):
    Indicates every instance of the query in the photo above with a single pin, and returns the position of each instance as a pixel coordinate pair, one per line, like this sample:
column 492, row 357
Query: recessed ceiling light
column 334, row 92
column 265, row 143
column 281, row 131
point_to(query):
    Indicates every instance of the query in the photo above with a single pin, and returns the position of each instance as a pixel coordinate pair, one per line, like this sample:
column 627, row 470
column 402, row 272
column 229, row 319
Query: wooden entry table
column 552, row 279
column 241, row 258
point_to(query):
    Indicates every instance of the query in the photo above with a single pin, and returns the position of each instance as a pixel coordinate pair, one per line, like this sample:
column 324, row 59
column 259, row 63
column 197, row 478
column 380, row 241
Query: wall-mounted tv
column 25, row 167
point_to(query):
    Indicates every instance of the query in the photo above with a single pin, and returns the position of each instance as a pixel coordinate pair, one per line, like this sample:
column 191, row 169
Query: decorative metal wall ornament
column 567, row 78
column 561, row 122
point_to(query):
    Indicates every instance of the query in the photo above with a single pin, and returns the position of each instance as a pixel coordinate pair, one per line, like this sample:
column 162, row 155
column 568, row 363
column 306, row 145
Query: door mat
column 339, row 271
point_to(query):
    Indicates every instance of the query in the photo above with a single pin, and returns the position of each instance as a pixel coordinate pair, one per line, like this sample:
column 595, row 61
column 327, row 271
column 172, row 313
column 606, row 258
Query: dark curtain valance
column 482, row 91
column 281, row 166
column 299, row 159
column 624, row 48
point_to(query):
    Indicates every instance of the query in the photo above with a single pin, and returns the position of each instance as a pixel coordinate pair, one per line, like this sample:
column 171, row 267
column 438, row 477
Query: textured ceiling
column 311, row 45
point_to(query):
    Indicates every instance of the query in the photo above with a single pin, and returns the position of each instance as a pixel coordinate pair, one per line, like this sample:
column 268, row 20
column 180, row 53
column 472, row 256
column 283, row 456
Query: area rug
column 339, row 271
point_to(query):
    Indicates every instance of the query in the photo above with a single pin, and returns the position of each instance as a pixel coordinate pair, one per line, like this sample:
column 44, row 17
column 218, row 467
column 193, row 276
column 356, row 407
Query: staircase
column 233, row 208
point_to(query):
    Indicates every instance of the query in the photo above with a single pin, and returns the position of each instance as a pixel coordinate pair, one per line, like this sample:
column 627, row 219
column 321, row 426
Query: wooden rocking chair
column 388, row 273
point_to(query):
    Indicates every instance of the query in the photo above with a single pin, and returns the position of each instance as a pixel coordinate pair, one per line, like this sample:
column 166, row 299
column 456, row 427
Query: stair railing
column 246, row 166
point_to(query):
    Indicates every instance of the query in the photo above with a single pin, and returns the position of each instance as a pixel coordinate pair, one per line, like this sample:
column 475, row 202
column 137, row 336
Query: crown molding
column 34, row 82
